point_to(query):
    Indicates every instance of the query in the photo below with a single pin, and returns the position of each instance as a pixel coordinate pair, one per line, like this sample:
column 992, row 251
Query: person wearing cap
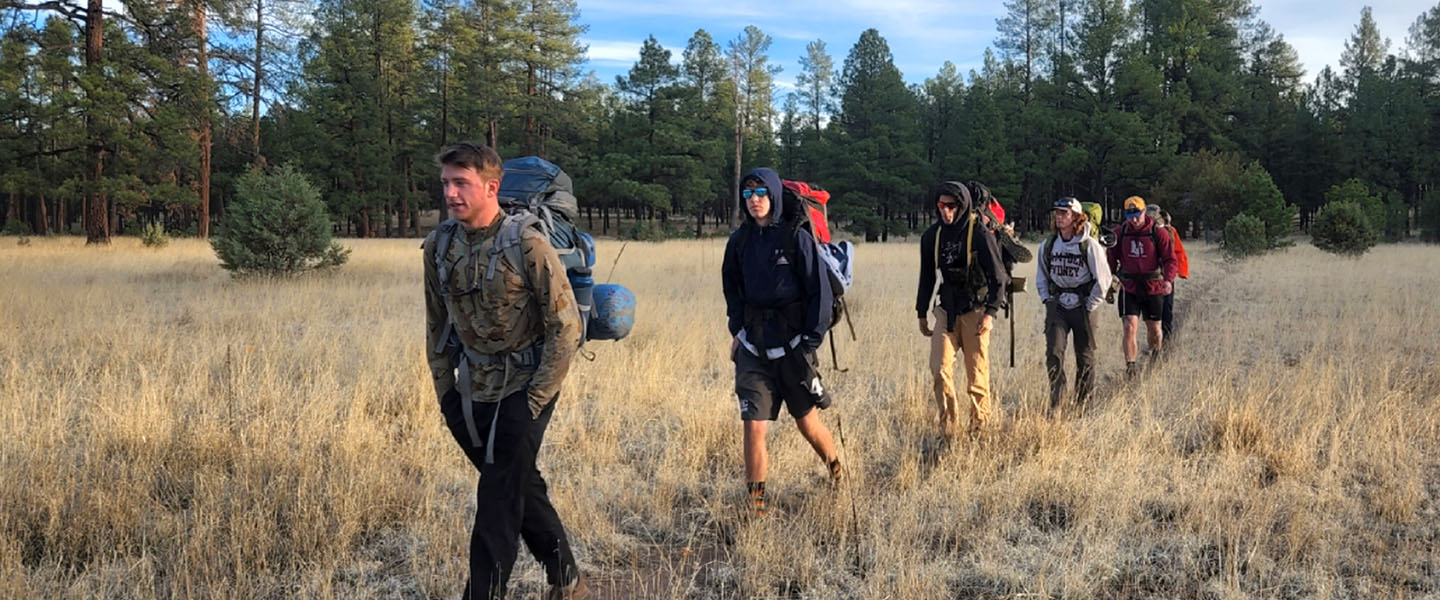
column 1143, row 258
column 1167, row 317
column 1072, row 276
column 970, row 293
column 778, row 305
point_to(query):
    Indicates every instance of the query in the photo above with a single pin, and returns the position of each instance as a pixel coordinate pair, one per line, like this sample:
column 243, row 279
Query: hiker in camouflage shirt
column 499, row 338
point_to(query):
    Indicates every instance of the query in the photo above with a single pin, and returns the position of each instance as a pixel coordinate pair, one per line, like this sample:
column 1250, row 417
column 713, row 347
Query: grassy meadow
column 168, row 432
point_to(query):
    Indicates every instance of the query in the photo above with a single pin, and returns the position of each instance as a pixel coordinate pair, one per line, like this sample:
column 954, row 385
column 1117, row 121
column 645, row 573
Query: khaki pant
column 976, row 348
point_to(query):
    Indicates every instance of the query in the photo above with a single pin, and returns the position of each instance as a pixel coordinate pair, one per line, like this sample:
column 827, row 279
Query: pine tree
column 876, row 143
column 754, row 76
column 708, row 113
column 548, row 50
column 1365, row 51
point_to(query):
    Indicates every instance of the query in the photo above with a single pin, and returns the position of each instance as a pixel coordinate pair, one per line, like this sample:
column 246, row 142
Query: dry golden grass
column 171, row 433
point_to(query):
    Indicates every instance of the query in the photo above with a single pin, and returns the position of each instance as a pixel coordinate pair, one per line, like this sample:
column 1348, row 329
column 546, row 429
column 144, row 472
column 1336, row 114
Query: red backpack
column 816, row 199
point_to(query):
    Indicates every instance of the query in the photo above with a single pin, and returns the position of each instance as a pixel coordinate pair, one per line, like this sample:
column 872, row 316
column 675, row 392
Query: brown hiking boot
column 837, row 474
column 575, row 590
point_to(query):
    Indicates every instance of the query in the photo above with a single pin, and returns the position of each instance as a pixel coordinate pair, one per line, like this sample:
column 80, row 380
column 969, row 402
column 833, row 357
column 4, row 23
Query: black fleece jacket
column 952, row 268
column 760, row 276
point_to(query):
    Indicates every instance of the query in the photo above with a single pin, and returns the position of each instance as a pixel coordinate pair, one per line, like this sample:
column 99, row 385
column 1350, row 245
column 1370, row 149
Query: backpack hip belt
column 527, row 359
column 1081, row 290
column 792, row 315
column 1155, row 275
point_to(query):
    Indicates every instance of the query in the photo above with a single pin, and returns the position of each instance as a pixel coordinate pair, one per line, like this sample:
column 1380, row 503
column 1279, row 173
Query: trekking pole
column 1010, row 315
column 850, row 491
column 616, row 261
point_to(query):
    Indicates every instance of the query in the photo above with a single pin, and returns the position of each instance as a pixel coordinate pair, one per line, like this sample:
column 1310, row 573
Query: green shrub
column 16, row 227
column 648, row 230
column 1245, row 236
column 1342, row 228
column 153, row 235
column 1429, row 216
column 276, row 225
column 1264, row 202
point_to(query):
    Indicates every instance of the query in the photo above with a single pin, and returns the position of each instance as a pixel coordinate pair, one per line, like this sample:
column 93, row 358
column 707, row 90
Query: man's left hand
column 986, row 322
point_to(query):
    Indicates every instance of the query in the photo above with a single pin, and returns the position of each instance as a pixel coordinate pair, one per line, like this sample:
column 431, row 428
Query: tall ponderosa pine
column 877, row 146
column 754, row 104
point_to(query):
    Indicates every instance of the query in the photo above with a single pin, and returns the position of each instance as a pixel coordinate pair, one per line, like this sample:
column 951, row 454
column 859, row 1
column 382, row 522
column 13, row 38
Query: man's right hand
column 925, row 327
column 734, row 344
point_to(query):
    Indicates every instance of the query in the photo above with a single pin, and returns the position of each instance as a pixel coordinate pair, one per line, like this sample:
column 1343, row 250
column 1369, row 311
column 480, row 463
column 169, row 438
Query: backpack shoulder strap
column 970, row 241
column 444, row 236
column 507, row 242
column 1045, row 248
column 937, row 248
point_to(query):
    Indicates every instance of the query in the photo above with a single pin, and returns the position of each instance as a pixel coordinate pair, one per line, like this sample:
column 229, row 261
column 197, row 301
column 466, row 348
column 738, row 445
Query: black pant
column 510, row 500
column 1167, row 317
column 1060, row 323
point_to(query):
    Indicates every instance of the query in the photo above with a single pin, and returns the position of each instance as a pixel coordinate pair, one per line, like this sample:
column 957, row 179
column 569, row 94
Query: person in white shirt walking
column 1072, row 276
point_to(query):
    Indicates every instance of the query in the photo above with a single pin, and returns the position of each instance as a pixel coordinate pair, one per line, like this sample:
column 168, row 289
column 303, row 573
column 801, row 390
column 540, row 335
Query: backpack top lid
column 530, row 180
column 806, row 206
column 808, row 191
column 1093, row 211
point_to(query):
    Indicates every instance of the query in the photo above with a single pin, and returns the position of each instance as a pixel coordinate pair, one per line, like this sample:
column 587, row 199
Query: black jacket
column 959, row 298
column 775, row 285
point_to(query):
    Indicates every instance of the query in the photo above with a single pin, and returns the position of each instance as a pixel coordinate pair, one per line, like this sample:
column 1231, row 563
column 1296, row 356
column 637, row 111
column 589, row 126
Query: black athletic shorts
column 1150, row 308
column 762, row 384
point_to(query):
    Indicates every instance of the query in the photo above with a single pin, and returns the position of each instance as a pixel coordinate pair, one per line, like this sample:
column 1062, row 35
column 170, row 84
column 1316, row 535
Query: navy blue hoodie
column 767, row 296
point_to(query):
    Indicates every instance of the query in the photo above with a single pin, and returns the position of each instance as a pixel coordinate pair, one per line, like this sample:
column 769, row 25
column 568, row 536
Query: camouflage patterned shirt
column 503, row 316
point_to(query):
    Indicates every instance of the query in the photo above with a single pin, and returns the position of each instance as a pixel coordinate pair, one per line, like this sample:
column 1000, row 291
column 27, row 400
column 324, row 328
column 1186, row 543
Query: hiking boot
column 575, row 590
column 837, row 474
column 1132, row 371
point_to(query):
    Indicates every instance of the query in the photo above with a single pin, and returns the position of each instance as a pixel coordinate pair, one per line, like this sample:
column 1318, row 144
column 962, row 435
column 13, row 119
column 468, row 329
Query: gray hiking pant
column 1060, row 323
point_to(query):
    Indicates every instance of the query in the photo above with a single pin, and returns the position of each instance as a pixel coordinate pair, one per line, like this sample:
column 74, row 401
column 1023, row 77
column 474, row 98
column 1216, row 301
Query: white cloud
column 612, row 52
column 733, row 9
column 1319, row 32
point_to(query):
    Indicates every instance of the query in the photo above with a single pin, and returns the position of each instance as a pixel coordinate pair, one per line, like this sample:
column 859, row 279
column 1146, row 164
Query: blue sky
column 922, row 34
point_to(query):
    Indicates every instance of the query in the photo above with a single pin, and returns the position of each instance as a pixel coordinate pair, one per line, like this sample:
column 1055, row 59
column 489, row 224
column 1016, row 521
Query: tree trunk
column 97, row 230
column 256, row 83
column 202, row 62
column 531, row 92
column 405, row 217
column 62, row 225
column 12, row 212
column 739, row 146
column 444, row 104
column 43, row 218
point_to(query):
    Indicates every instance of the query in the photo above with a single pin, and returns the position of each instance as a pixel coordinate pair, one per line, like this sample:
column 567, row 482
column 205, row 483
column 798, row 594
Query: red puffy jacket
column 1143, row 255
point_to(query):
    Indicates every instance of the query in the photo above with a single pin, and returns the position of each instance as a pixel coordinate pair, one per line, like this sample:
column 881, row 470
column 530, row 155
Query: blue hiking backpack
column 536, row 193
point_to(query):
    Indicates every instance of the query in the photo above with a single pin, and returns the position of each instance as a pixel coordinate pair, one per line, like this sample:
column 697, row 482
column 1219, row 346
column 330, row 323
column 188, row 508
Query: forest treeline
column 113, row 120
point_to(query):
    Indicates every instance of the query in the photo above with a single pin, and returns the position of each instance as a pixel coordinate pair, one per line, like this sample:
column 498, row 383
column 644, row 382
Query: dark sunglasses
column 759, row 191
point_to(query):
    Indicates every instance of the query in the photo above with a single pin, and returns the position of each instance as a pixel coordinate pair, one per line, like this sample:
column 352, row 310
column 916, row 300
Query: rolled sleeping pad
column 614, row 313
